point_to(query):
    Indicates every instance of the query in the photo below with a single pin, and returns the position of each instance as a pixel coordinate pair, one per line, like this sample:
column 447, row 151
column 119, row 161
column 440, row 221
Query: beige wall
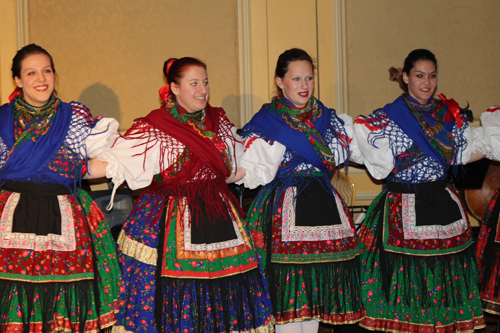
column 464, row 35
column 7, row 47
column 109, row 54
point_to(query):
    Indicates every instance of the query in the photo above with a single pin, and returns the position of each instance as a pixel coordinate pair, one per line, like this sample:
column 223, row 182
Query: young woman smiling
column 58, row 266
column 187, row 258
column 300, row 225
column 418, row 268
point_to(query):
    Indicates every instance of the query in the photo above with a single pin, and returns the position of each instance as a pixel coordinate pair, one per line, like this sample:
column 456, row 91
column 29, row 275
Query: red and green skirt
column 63, row 281
column 488, row 257
column 419, row 273
column 307, row 243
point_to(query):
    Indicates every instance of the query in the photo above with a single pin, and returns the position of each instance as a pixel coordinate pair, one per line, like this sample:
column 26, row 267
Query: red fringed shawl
column 200, row 171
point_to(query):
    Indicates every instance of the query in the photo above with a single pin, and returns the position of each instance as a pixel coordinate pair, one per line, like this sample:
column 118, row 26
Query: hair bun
column 395, row 74
column 167, row 65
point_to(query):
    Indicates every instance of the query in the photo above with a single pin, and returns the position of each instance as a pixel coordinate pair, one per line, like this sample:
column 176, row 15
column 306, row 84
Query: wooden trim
column 341, row 57
column 22, row 26
column 245, row 61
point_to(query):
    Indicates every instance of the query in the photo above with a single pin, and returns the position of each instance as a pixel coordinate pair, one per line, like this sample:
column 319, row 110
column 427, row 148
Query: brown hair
column 396, row 74
column 286, row 58
column 174, row 69
column 25, row 52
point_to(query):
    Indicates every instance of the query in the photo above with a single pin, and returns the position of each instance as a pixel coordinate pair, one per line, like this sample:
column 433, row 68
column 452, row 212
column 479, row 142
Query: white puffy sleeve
column 261, row 160
column 377, row 155
column 356, row 155
column 236, row 150
column 101, row 137
column 134, row 160
column 490, row 133
column 475, row 142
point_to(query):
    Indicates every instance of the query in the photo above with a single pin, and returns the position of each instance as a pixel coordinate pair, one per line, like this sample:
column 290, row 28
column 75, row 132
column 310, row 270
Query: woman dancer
column 418, row 267
column 58, row 265
column 186, row 255
column 300, row 225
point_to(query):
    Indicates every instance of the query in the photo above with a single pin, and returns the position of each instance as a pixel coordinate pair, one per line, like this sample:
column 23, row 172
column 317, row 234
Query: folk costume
column 58, row 265
column 187, row 258
column 301, row 226
column 418, row 268
column 488, row 245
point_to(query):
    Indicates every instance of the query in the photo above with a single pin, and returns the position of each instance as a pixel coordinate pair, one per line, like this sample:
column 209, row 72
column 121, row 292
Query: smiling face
column 421, row 81
column 37, row 79
column 298, row 83
column 193, row 90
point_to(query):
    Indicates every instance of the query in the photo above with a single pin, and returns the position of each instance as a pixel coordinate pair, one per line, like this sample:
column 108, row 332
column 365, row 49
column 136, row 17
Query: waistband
column 30, row 188
column 416, row 188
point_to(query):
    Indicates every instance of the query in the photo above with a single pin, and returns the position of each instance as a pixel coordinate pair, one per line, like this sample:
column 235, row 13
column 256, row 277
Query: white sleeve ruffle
column 378, row 160
column 128, row 161
column 476, row 143
column 235, row 151
column 356, row 155
column 490, row 122
column 261, row 161
column 101, row 137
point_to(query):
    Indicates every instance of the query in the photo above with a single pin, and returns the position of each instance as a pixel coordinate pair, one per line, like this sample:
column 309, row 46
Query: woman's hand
column 240, row 173
column 96, row 169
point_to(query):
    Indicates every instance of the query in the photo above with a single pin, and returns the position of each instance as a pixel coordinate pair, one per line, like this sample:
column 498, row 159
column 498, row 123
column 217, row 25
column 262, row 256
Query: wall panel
column 109, row 54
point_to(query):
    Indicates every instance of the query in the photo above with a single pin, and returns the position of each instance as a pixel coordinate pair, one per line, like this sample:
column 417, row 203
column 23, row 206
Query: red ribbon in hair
column 165, row 90
column 15, row 93
column 453, row 110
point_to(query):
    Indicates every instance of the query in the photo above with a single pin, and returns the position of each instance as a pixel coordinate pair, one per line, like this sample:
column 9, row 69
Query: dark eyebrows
column 424, row 72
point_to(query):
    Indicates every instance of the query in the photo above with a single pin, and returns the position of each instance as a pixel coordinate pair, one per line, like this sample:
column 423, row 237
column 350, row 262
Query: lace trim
column 412, row 231
column 17, row 240
column 293, row 233
column 136, row 250
column 188, row 246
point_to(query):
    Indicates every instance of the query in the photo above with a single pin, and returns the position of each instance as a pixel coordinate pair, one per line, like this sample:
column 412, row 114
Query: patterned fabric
column 431, row 117
column 67, row 282
column 27, row 129
column 29, row 142
column 206, row 156
column 488, row 255
column 311, row 263
column 418, row 271
column 413, row 165
column 304, row 120
column 184, row 270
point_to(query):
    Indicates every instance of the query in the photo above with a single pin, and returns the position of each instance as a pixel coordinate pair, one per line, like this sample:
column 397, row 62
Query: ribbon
column 165, row 90
column 15, row 93
column 453, row 110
